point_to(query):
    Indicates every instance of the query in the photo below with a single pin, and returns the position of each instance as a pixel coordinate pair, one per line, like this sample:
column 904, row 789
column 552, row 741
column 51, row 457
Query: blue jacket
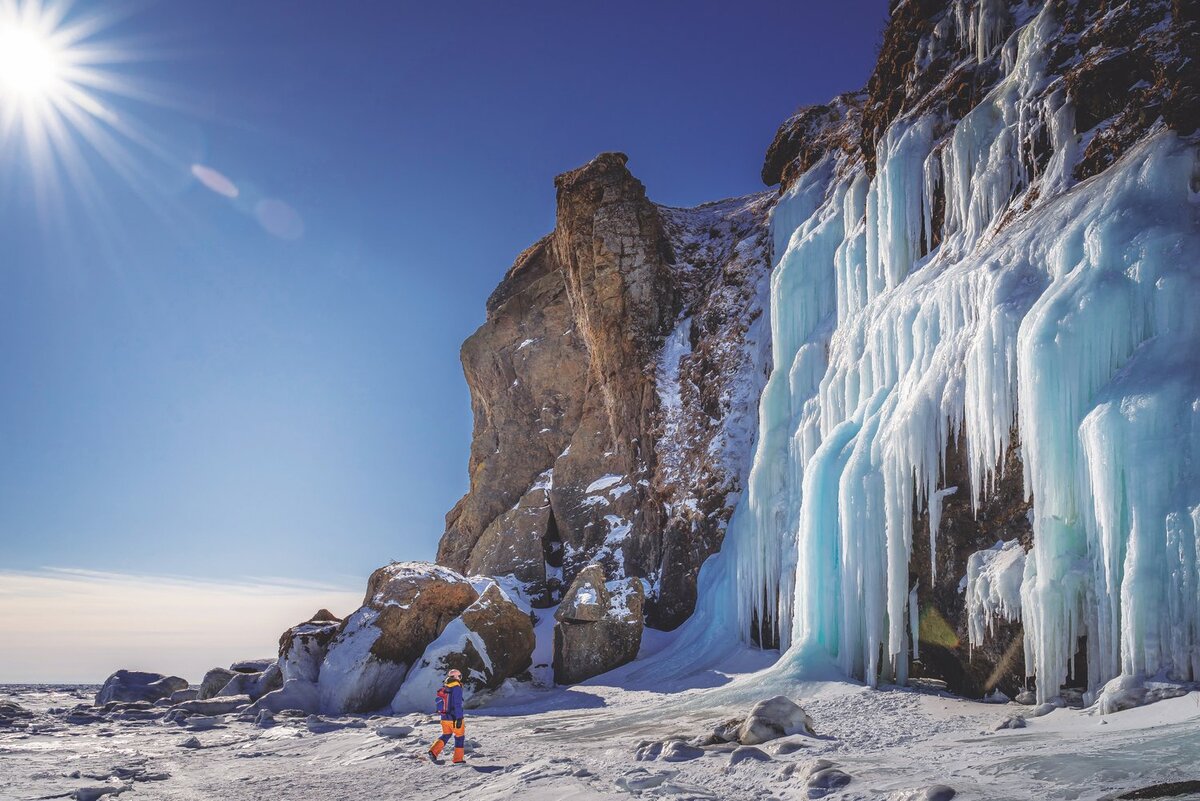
column 454, row 710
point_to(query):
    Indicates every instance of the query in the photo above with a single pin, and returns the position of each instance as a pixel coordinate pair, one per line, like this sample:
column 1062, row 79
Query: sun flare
column 31, row 66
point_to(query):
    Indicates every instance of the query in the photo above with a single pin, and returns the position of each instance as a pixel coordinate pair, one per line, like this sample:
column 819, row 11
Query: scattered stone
column 679, row 751
column 92, row 793
column 179, row 696
column 1013, row 722
column 264, row 719
column 789, row 747
column 204, row 722
column 1025, row 698
column 748, row 752
column 133, row 685
column 773, row 718
column 319, row 725
column 394, row 732
column 79, row 717
column 825, row 781
column 222, row 705
column 1042, row 709
column 191, row 742
column 940, row 792
column 254, row 685
column 640, row 779
column 1165, row 790
column 213, row 681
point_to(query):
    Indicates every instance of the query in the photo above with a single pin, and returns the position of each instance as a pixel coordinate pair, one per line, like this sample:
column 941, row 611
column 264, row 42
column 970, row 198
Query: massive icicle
column 1068, row 302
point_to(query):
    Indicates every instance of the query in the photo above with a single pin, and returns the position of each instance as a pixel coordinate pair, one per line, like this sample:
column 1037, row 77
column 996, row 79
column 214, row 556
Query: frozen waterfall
column 1065, row 311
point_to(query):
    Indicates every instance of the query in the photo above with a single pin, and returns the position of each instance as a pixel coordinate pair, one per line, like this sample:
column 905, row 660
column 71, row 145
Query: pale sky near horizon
column 237, row 263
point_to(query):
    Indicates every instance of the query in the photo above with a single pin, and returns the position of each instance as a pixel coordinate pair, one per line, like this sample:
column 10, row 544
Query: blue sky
column 190, row 390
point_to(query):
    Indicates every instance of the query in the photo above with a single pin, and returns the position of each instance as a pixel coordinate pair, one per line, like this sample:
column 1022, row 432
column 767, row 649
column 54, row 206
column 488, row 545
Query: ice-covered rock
column 994, row 587
column 679, row 751
column 179, row 696
column 252, row 665
column 264, row 719
column 491, row 641
column 772, row 718
column 133, row 685
column 295, row 694
column 825, row 781
column 1011, row 722
column 213, row 681
column 256, row 684
column 599, row 625
column 407, row 606
column 746, row 753
column 191, row 742
column 302, row 647
column 1026, row 697
column 215, row 706
column 393, row 731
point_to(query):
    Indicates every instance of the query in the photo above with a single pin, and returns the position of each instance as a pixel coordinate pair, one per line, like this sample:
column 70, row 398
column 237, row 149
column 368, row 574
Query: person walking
column 450, row 707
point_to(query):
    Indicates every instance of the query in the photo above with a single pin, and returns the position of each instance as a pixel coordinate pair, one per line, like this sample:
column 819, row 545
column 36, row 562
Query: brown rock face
column 506, row 632
column 599, row 626
column 415, row 604
column 576, row 457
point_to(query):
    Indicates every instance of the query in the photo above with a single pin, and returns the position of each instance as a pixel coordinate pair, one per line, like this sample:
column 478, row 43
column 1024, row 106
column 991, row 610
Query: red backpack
column 443, row 701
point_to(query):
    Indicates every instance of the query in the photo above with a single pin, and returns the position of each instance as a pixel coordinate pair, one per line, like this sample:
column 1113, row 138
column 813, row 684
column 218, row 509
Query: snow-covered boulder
column 294, row 694
column 252, row 665
column 599, row 625
column 303, row 647
column 136, row 685
column 407, row 606
column 254, row 685
column 772, row 718
column 493, row 640
column 213, row 682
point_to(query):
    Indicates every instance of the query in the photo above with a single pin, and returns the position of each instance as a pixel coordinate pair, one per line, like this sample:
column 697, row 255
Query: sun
column 31, row 65
column 62, row 84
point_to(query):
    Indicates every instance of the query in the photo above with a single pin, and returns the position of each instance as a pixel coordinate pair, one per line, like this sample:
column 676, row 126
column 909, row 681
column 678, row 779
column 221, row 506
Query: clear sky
column 200, row 389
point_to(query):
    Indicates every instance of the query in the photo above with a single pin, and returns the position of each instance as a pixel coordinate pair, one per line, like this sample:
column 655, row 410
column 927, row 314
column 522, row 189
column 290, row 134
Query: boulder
column 214, row 681
column 252, row 665
column 491, row 641
column 255, row 685
column 134, row 685
column 294, row 694
column 407, row 606
column 303, row 647
column 215, row 706
column 772, row 718
column 599, row 625
column 179, row 696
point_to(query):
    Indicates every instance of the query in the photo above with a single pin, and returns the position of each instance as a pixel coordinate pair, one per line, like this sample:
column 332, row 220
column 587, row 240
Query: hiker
column 450, row 707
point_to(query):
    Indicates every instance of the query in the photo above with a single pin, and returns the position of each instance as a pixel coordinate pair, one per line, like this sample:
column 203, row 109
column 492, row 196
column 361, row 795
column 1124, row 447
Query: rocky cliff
column 613, row 387
column 615, row 379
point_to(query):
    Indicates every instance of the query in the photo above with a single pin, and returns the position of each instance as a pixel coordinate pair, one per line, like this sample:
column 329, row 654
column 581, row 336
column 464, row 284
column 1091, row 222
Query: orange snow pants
column 459, row 733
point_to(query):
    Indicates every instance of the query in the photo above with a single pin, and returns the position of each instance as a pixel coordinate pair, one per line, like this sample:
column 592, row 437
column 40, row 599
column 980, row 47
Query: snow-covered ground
column 583, row 743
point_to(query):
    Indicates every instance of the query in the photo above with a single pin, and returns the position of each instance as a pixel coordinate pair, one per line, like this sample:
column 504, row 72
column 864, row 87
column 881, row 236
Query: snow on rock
column 1127, row 692
column 213, row 681
column 303, row 647
column 599, row 625
column 492, row 641
column 408, row 605
column 255, row 685
column 773, row 718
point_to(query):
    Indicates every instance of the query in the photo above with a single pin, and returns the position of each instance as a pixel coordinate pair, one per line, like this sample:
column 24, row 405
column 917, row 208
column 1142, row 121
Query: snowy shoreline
column 583, row 743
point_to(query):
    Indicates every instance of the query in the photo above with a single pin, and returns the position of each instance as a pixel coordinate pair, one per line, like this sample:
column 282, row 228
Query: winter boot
column 458, row 757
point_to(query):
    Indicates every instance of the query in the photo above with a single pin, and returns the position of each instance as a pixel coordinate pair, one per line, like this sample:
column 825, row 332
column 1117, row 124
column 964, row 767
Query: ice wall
column 1072, row 303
